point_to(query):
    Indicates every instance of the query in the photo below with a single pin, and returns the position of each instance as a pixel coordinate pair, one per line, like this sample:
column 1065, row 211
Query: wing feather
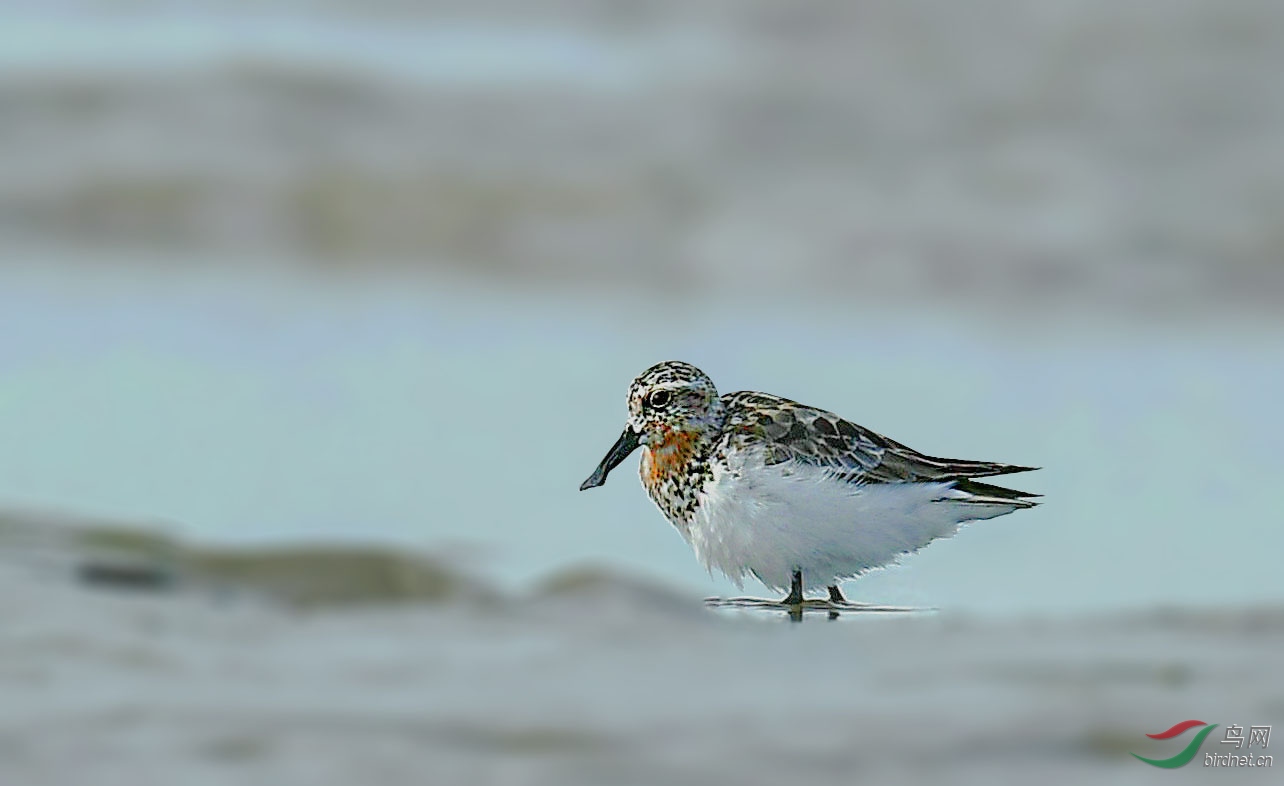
column 789, row 431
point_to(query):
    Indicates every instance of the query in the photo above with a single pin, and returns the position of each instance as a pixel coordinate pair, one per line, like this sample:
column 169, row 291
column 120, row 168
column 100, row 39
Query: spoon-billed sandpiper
column 794, row 495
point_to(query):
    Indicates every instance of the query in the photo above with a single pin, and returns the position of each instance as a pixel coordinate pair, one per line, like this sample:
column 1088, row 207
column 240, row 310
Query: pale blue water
column 263, row 407
column 440, row 50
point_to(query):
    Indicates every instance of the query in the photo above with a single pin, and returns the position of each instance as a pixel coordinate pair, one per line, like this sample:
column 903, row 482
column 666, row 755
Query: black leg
column 795, row 597
column 835, row 596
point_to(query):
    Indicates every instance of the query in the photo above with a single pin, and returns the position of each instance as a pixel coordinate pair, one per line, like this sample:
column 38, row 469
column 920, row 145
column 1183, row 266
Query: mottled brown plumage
column 790, row 431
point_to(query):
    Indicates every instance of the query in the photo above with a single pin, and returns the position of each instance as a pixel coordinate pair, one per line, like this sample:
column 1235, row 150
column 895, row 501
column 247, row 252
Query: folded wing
column 790, row 431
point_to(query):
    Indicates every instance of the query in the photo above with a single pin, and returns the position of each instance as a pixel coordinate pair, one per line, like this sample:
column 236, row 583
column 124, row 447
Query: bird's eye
column 659, row 398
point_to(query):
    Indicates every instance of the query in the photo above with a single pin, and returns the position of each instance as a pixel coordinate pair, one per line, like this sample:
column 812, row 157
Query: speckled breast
column 673, row 473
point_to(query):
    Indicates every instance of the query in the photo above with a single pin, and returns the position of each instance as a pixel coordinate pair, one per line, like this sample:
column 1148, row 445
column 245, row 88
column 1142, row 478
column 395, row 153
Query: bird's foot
column 795, row 596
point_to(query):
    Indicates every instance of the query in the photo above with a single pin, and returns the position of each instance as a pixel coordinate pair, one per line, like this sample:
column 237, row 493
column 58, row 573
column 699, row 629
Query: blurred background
column 313, row 316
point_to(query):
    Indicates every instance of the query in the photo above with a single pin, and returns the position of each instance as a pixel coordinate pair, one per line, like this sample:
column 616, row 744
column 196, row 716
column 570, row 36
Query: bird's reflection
column 797, row 612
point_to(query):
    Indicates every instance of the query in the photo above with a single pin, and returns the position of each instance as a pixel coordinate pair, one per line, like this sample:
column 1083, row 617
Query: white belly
column 772, row 520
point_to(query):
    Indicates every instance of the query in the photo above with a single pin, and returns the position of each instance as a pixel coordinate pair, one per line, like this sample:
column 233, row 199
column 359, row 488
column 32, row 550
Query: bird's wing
column 789, row 431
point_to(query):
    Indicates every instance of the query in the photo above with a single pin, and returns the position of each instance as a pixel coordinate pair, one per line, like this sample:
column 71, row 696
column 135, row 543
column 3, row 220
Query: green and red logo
column 1187, row 753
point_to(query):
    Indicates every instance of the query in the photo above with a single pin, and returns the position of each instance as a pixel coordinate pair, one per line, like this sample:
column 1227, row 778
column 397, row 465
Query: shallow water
column 444, row 415
column 602, row 681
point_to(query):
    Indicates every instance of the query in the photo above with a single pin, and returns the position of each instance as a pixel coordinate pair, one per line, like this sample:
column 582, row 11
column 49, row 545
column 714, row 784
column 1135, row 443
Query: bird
column 795, row 496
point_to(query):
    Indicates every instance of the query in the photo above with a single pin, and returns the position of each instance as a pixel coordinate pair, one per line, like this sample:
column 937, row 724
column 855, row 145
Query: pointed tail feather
column 987, row 501
column 979, row 489
column 978, row 469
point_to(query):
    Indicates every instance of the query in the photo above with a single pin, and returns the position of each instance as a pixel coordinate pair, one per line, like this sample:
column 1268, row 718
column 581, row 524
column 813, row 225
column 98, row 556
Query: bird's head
column 669, row 403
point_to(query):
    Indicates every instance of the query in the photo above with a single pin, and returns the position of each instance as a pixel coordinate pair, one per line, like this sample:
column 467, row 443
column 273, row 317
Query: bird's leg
column 835, row 596
column 795, row 596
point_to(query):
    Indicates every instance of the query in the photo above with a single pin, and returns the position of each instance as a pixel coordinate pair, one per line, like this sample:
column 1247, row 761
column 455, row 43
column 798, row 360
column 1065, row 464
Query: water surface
column 440, row 414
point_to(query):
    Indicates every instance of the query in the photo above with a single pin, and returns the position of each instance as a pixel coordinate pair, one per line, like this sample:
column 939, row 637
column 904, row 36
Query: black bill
column 626, row 444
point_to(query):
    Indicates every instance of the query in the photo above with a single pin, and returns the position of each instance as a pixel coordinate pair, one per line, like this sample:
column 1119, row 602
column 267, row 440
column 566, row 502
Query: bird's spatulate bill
column 626, row 444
